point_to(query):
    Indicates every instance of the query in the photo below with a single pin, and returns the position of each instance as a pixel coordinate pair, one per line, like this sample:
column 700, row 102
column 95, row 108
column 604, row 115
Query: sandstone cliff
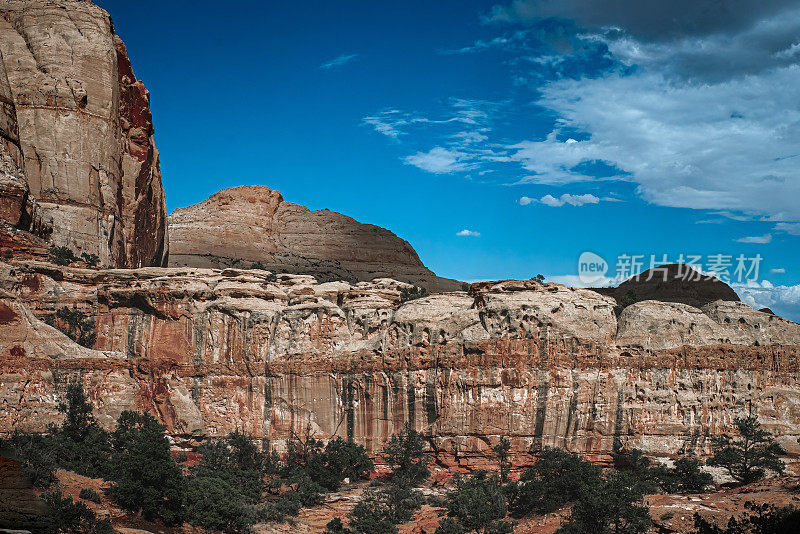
column 210, row 351
column 242, row 225
column 84, row 131
column 671, row 283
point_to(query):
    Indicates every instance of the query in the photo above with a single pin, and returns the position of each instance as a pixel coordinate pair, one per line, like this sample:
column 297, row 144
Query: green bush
column 212, row 503
column 146, row 477
column 749, row 457
column 502, row 450
column 71, row 517
column 557, row 478
column 371, row 515
column 615, row 506
column 685, row 477
column 309, row 463
column 92, row 260
column 62, row 255
column 412, row 293
column 237, row 461
column 478, row 503
column 89, row 494
column 79, row 444
column 405, row 455
column 760, row 519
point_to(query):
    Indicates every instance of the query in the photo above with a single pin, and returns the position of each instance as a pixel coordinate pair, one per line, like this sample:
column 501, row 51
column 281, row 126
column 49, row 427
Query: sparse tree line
column 234, row 485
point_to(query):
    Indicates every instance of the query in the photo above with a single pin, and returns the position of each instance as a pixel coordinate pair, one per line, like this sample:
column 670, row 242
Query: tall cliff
column 84, row 131
column 211, row 351
column 242, row 225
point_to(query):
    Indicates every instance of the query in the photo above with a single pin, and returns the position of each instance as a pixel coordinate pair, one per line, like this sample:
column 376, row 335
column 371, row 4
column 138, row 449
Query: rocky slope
column 212, row 351
column 239, row 226
column 71, row 105
column 671, row 283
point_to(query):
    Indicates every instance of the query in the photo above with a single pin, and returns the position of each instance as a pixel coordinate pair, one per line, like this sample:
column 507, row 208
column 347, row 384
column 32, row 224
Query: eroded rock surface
column 247, row 224
column 84, row 130
column 210, row 351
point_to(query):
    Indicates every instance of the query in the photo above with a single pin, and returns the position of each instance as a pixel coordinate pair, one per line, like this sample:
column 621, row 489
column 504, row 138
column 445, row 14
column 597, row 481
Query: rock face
column 242, row 225
column 211, row 351
column 20, row 508
column 84, row 131
column 671, row 283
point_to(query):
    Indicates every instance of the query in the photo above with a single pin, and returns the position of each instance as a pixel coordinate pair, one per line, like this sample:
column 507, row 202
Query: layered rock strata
column 243, row 225
column 84, row 131
column 212, row 351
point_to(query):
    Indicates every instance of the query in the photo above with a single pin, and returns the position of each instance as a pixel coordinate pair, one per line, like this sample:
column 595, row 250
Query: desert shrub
column 405, row 455
column 89, row 494
column 38, row 456
column 401, row 502
column 615, row 506
column 309, row 463
column 760, row 519
column 465, row 287
column 258, row 265
column 412, row 293
column 557, row 478
column 539, row 278
column 76, row 325
column 62, row 255
column 235, row 460
column 277, row 509
column 82, row 444
column 214, row 504
column 751, row 455
column 72, row 517
column 685, row 477
column 92, row 260
column 501, row 451
column 371, row 515
column 478, row 503
column 146, row 478
column 79, row 444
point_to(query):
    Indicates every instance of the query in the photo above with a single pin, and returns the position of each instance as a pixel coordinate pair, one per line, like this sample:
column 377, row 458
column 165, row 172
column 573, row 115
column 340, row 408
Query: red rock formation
column 241, row 225
column 85, row 131
column 212, row 351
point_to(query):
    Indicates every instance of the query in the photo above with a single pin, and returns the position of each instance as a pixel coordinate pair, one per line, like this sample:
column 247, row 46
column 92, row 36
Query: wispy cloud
column 789, row 228
column 439, row 160
column 468, row 233
column 338, row 61
column 778, row 271
column 566, row 198
column 758, row 239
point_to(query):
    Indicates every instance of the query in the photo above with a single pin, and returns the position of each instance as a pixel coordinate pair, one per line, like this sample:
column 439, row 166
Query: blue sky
column 501, row 139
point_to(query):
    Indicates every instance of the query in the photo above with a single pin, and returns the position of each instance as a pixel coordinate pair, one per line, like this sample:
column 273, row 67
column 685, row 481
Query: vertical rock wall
column 84, row 130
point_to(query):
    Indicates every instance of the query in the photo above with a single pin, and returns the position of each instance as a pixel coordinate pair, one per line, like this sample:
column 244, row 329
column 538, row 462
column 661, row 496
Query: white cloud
column 783, row 300
column 778, row 271
column 789, row 228
column 566, row 198
column 468, row 233
column 760, row 239
column 702, row 146
column 338, row 61
column 439, row 160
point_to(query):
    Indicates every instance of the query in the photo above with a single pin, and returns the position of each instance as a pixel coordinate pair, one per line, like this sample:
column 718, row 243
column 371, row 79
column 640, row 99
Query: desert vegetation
column 235, row 485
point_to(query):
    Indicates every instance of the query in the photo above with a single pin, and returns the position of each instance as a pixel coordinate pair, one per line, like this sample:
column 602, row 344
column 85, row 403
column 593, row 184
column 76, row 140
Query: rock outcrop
column 242, row 225
column 84, row 131
column 211, row 351
column 671, row 283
